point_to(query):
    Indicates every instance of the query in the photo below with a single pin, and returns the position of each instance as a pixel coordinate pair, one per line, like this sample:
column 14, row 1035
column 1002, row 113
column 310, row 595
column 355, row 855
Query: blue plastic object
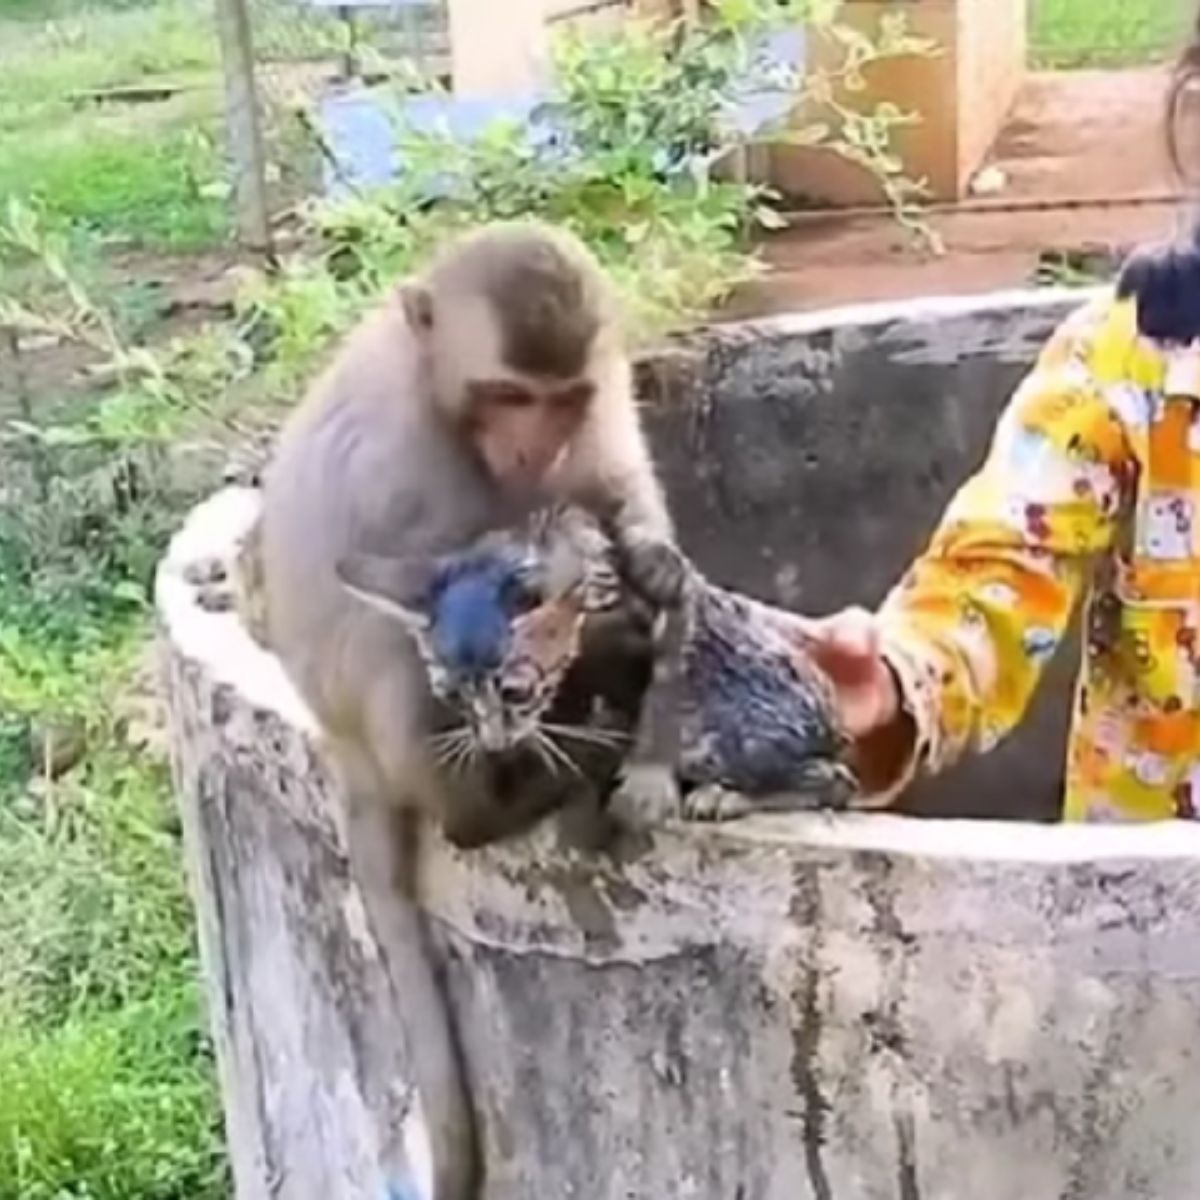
column 360, row 131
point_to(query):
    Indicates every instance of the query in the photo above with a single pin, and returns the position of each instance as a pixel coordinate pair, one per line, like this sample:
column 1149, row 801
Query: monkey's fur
column 738, row 720
column 437, row 420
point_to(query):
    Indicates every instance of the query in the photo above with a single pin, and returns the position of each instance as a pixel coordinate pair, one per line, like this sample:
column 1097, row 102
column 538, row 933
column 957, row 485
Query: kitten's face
column 499, row 625
column 502, row 671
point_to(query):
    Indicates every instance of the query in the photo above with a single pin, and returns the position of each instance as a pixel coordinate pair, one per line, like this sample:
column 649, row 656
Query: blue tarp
column 357, row 124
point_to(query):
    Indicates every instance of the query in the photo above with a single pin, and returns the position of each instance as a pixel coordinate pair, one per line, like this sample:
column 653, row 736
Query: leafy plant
column 632, row 150
column 109, row 1106
column 106, row 1080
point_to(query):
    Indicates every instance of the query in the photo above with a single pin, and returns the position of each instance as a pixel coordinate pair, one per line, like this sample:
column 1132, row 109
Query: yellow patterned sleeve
column 971, row 626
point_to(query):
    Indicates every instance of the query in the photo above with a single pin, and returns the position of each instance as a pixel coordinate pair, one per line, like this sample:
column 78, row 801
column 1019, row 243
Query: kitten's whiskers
column 609, row 738
column 555, row 751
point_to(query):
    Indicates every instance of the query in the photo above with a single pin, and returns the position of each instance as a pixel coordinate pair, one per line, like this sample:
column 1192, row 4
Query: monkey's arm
column 382, row 832
column 650, row 792
column 611, row 470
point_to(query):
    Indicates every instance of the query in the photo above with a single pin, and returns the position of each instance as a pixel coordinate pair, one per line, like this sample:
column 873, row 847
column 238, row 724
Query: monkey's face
column 522, row 427
column 514, row 340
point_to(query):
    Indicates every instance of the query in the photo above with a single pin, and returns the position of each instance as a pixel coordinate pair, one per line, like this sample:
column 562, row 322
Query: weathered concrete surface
column 787, row 1009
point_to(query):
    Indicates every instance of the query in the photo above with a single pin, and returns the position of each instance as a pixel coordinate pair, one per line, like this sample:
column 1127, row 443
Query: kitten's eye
column 523, row 596
column 516, row 694
column 526, row 600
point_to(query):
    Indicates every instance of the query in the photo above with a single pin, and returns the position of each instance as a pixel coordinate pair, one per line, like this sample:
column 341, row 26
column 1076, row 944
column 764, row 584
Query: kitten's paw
column 648, row 794
column 214, row 587
column 825, row 784
column 714, row 803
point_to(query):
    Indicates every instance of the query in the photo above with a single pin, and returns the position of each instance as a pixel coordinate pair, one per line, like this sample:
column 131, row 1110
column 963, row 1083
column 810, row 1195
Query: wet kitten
column 737, row 720
column 536, row 658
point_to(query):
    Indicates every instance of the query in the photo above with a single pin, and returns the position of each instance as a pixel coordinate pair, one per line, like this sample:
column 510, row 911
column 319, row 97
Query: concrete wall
column 992, row 52
column 502, row 49
column 803, row 1008
column 497, row 49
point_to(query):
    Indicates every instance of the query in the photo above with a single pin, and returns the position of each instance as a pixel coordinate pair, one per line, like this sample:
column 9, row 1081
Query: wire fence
column 286, row 60
column 306, row 63
column 306, row 82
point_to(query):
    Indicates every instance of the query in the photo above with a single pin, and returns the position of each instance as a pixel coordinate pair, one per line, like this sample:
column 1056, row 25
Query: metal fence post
column 242, row 123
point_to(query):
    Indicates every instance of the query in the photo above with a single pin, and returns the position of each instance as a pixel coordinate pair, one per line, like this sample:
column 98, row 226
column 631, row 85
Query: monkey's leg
column 382, row 842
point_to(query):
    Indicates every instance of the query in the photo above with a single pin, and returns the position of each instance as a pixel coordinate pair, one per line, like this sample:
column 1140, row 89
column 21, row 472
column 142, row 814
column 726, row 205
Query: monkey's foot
column 214, row 588
column 820, row 785
column 648, row 794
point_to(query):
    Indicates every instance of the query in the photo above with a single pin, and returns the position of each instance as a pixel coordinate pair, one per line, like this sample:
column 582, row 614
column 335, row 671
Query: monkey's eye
column 578, row 395
column 511, row 397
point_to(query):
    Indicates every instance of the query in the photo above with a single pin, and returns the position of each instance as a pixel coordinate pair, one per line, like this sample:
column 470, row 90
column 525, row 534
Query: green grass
column 120, row 176
column 108, row 1107
column 107, row 1087
column 1104, row 33
column 106, row 1083
column 144, row 173
column 44, row 10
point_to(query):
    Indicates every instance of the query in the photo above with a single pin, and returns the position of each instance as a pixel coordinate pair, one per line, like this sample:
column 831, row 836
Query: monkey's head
column 498, row 625
column 516, row 323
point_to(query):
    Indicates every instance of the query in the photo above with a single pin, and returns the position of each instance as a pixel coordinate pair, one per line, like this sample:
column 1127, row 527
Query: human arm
column 952, row 659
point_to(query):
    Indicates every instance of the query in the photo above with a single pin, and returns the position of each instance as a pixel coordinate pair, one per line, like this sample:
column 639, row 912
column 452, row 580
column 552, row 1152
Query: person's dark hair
column 1165, row 279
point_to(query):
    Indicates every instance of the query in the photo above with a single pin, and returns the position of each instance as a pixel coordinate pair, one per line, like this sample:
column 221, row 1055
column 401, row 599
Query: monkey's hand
column 648, row 795
column 654, row 569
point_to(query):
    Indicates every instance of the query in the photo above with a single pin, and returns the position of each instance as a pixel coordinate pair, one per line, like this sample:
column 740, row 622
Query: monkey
column 492, row 382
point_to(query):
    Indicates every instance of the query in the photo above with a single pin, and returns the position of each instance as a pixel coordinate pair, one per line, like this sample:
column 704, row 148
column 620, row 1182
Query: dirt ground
column 1085, row 170
column 1083, row 156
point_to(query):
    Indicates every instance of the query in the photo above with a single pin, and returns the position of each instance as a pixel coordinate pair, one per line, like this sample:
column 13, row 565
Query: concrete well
column 871, row 1008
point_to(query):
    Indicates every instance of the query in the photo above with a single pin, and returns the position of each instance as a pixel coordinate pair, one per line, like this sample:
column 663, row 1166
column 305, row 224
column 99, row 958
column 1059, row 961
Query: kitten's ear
column 395, row 587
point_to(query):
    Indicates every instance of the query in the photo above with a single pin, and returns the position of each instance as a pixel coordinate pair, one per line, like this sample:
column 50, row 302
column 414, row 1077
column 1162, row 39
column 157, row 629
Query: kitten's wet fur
column 738, row 719
column 550, row 690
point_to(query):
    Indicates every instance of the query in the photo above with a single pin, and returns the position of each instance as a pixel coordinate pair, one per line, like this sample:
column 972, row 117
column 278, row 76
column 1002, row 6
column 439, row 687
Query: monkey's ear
column 395, row 587
column 417, row 303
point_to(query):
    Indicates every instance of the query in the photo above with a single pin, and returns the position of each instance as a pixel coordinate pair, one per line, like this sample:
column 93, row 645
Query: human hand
column 846, row 647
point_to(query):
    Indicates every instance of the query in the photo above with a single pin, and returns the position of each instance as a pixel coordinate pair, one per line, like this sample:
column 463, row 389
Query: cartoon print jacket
column 1092, row 482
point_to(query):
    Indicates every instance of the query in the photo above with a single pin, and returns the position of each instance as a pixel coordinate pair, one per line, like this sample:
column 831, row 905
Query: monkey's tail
column 434, row 1052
